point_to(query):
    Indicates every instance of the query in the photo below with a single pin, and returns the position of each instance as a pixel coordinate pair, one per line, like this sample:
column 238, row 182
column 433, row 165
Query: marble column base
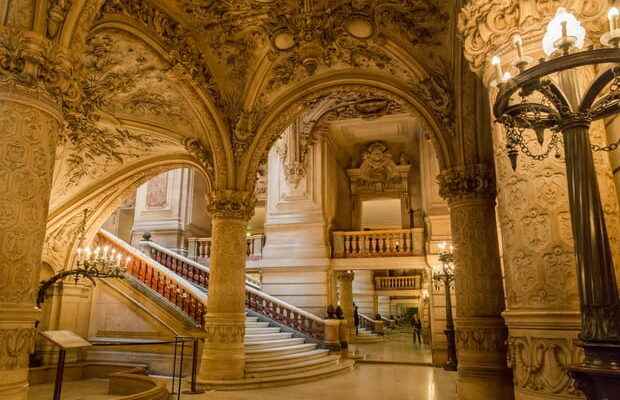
column 224, row 351
column 482, row 372
column 542, row 345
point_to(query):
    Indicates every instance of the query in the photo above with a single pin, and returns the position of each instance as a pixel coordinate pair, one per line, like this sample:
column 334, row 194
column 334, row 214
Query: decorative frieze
column 540, row 364
column 231, row 204
column 224, row 332
column 470, row 181
column 378, row 172
column 15, row 347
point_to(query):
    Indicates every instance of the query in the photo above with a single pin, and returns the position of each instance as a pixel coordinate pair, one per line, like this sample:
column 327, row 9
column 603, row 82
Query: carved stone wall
column 28, row 136
column 539, row 267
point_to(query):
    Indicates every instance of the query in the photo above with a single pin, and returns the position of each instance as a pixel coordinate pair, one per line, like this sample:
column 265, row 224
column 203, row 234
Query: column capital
column 233, row 204
column 346, row 276
column 467, row 182
column 30, row 61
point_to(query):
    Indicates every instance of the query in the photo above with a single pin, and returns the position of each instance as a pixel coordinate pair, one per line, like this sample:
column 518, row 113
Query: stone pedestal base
column 224, row 351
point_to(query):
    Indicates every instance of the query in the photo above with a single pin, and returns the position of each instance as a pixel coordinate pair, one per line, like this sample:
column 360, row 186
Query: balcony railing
column 200, row 248
column 378, row 243
column 398, row 282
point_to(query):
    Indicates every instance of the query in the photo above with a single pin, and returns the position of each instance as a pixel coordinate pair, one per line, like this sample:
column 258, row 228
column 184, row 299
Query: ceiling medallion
column 283, row 40
column 359, row 26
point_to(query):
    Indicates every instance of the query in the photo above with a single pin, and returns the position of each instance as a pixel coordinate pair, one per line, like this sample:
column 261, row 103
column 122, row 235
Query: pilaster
column 480, row 331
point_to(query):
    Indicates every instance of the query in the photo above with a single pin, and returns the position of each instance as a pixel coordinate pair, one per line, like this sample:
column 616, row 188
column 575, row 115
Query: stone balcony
column 378, row 243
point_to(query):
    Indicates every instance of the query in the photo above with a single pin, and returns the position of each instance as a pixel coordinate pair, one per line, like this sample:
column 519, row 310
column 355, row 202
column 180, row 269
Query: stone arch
column 85, row 19
column 291, row 103
column 102, row 197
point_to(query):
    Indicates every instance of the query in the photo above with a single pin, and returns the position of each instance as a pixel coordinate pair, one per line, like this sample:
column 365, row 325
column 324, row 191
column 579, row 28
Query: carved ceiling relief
column 487, row 25
column 378, row 172
column 294, row 148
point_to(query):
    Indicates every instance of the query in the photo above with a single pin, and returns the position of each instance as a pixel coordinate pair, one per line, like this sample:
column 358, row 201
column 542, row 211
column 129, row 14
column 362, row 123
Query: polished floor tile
column 366, row 382
column 397, row 347
column 89, row 389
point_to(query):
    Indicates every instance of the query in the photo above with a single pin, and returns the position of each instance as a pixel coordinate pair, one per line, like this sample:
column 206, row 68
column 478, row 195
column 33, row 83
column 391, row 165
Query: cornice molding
column 467, row 182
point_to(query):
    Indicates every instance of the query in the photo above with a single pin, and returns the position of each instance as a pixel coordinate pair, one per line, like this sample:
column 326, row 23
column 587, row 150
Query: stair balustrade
column 398, row 282
column 178, row 291
column 256, row 300
column 371, row 324
column 378, row 243
column 200, row 248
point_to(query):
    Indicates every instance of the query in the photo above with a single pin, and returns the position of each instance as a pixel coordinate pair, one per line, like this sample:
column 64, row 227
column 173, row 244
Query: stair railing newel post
column 567, row 110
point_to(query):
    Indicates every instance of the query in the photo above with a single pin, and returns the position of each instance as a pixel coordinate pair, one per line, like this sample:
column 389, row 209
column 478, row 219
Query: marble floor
column 89, row 389
column 397, row 347
column 366, row 382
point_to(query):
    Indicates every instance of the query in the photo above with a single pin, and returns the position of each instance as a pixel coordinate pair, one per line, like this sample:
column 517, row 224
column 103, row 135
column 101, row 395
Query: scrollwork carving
column 231, row 204
column 15, row 347
column 468, row 181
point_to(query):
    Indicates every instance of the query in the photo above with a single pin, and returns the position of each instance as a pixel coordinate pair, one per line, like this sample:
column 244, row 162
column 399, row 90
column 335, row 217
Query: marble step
column 266, row 344
column 258, row 353
column 258, row 331
column 280, row 380
column 267, row 336
column 285, row 359
column 251, row 319
column 291, row 368
column 254, row 324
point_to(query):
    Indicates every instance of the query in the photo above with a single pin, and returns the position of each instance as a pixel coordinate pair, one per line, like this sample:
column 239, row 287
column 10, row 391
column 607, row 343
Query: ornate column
column 480, row 330
column 345, row 279
column 30, row 121
column 224, row 353
column 533, row 208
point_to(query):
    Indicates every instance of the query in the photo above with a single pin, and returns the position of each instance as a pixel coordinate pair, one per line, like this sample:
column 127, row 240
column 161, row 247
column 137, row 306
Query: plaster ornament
column 377, row 164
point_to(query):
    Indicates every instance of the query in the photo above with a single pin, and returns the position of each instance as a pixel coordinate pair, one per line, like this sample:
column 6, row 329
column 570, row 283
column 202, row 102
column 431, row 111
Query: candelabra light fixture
column 98, row 262
column 443, row 276
column 545, row 103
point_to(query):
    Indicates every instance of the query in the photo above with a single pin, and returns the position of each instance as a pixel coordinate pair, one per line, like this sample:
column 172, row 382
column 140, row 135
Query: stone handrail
column 285, row 313
column 256, row 300
column 201, row 247
column 398, row 282
column 378, row 243
column 177, row 290
column 376, row 326
column 187, row 268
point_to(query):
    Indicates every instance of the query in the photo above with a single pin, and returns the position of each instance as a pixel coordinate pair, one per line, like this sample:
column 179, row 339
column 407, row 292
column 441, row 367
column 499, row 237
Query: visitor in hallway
column 356, row 320
column 416, row 324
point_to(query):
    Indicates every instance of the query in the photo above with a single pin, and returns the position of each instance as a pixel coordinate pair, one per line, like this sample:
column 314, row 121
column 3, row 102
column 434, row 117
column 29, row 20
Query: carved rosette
column 231, row 204
column 467, row 182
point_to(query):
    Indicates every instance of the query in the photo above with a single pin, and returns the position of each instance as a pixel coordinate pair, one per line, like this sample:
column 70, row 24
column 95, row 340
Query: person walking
column 356, row 320
column 417, row 329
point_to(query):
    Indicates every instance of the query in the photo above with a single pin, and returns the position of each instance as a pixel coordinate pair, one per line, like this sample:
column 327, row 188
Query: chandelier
column 100, row 262
column 546, row 100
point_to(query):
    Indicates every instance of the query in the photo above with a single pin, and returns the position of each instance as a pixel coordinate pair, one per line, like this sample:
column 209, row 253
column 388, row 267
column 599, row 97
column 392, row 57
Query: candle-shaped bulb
column 507, row 76
column 518, row 42
column 612, row 15
column 497, row 62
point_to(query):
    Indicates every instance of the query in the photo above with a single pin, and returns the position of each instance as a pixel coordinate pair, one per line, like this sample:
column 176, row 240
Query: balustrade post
column 224, row 351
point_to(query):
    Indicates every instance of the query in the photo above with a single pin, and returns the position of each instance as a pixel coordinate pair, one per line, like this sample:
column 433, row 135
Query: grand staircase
column 283, row 343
